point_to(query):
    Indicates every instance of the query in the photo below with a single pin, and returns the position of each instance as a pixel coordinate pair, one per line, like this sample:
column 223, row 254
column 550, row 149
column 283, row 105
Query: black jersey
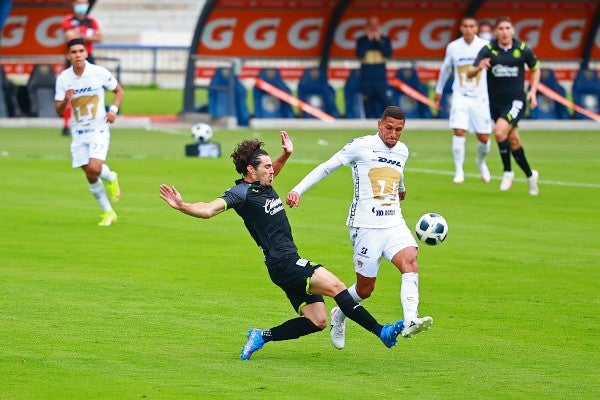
column 506, row 77
column 264, row 216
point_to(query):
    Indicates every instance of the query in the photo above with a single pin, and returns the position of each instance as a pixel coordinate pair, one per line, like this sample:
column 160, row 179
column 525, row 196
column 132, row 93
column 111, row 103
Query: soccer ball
column 201, row 132
column 431, row 229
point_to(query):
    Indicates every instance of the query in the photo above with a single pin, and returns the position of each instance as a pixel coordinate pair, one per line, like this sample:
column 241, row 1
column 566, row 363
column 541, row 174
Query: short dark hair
column 75, row 41
column 394, row 112
column 247, row 153
column 502, row 19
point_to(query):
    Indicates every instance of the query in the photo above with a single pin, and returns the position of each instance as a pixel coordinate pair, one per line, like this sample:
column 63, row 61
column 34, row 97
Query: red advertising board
column 418, row 29
column 33, row 29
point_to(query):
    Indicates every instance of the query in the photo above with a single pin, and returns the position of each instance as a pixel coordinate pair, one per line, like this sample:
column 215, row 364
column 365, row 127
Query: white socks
column 409, row 296
column 482, row 150
column 106, row 173
column 98, row 191
column 458, row 151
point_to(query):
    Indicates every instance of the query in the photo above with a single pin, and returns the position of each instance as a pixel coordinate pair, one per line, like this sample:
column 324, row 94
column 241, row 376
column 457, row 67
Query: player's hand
column 286, row 143
column 171, row 196
column 402, row 195
column 111, row 116
column 486, row 63
column 437, row 99
column 292, row 199
column 532, row 97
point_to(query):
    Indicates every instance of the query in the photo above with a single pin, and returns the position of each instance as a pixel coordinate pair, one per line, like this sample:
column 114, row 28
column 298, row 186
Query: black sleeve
column 235, row 196
column 530, row 58
column 483, row 53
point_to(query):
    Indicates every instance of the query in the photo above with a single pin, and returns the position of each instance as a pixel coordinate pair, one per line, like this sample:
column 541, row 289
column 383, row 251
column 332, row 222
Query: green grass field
column 158, row 305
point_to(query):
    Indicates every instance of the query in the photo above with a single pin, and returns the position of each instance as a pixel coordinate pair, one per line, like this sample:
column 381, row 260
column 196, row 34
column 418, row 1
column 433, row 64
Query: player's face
column 77, row 55
column 504, row 33
column 468, row 28
column 390, row 130
column 263, row 173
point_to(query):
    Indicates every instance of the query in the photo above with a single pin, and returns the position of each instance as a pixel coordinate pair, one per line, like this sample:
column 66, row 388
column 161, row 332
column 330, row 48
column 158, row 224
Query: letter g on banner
column 262, row 33
column 305, row 34
column 567, row 35
column 218, row 33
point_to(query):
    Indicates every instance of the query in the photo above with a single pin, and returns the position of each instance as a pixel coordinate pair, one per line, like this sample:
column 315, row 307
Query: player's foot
column 108, row 218
column 533, row 183
column 417, row 326
column 484, row 171
column 390, row 332
column 338, row 328
column 459, row 177
column 507, row 179
column 113, row 188
column 66, row 131
column 255, row 342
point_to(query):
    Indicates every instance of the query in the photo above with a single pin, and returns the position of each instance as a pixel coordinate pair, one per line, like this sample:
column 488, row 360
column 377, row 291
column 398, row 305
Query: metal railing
column 147, row 65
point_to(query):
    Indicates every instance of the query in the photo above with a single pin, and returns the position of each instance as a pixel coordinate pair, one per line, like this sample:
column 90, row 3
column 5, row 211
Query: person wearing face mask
column 80, row 25
column 486, row 30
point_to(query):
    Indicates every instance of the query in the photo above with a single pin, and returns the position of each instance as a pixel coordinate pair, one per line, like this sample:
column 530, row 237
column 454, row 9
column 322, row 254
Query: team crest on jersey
column 516, row 53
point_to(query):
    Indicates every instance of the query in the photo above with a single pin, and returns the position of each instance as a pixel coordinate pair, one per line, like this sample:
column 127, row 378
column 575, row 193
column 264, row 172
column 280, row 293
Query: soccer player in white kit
column 83, row 85
column 469, row 111
column 377, row 227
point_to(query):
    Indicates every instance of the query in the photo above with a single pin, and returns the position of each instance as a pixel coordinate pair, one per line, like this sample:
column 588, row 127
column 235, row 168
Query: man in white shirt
column 83, row 85
column 469, row 111
column 377, row 227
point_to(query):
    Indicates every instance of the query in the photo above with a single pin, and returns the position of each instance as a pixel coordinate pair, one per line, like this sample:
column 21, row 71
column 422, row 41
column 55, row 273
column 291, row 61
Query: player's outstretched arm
column 199, row 210
column 288, row 149
column 292, row 199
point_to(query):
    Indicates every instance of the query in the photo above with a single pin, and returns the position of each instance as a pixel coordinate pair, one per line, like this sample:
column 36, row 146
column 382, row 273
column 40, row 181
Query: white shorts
column 370, row 244
column 470, row 114
column 93, row 144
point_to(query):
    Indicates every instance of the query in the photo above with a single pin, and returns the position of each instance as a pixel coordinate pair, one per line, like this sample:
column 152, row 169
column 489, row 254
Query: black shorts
column 512, row 110
column 293, row 276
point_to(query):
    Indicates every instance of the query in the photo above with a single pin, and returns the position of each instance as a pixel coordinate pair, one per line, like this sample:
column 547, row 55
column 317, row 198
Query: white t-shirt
column 378, row 175
column 459, row 57
column 88, row 113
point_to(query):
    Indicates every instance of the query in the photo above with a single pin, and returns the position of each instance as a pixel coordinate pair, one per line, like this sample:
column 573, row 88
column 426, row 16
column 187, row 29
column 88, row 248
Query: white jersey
column 88, row 113
column 378, row 175
column 460, row 56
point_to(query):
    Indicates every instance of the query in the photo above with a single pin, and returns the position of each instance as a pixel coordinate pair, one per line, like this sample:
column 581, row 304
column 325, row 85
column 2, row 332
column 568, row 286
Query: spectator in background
column 469, row 111
column 486, row 30
column 505, row 59
column 80, row 25
column 373, row 49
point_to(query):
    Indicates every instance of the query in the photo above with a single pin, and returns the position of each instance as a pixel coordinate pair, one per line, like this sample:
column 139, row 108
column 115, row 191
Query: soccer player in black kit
column 505, row 58
column 304, row 282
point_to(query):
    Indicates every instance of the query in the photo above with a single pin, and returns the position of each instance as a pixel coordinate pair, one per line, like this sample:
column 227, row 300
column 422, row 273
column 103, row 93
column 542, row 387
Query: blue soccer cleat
column 255, row 342
column 390, row 333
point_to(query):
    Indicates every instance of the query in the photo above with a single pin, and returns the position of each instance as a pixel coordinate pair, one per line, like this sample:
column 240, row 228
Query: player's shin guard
column 504, row 148
column 356, row 312
column 520, row 158
column 291, row 329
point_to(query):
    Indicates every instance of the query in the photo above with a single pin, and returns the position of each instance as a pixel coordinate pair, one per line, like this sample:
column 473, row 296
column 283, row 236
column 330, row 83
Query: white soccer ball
column 431, row 229
column 202, row 132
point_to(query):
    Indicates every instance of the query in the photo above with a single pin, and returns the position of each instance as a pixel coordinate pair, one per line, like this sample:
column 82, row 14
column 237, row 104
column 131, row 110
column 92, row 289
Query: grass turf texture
column 158, row 305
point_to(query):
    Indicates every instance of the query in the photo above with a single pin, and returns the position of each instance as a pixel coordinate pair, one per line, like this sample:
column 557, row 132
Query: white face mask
column 487, row 36
column 81, row 9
